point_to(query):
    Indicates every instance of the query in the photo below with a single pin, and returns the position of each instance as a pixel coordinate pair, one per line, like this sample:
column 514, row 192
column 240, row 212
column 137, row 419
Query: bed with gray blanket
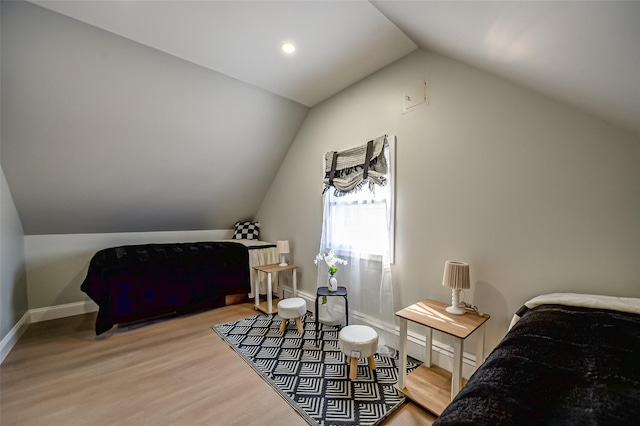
column 576, row 364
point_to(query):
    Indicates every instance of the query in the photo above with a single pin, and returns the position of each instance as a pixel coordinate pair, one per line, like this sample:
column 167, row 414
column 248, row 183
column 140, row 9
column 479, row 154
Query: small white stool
column 292, row 308
column 358, row 341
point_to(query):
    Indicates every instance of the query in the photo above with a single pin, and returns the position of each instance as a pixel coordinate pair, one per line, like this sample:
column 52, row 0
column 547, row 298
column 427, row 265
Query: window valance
column 349, row 170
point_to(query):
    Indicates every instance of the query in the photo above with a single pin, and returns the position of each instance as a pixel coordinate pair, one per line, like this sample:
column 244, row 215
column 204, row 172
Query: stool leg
column 283, row 325
column 299, row 324
column 372, row 362
column 348, row 360
column 353, row 368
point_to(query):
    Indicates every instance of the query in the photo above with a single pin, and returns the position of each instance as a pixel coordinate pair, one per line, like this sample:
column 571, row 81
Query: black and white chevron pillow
column 246, row 231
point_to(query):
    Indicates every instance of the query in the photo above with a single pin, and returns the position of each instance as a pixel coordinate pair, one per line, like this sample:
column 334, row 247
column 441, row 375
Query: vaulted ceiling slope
column 102, row 134
column 585, row 53
column 173, row 115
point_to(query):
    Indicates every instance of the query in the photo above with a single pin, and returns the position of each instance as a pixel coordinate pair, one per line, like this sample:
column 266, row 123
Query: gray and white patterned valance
column 349, row 170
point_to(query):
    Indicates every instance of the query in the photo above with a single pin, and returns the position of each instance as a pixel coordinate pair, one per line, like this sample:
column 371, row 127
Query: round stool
column 358, row 341
column 292, row 308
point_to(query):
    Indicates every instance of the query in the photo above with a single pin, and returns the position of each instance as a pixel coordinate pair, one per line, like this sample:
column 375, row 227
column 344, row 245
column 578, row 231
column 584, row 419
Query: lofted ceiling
column 198, row 105
column 338, row 42
column 583, row 52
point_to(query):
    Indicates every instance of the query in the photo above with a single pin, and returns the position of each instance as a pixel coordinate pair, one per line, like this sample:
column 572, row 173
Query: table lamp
column 283, row 248
column 456, row 277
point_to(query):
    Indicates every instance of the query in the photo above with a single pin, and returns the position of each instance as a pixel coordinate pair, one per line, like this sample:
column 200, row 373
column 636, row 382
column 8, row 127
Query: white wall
column 57, row 264
column 537, row 196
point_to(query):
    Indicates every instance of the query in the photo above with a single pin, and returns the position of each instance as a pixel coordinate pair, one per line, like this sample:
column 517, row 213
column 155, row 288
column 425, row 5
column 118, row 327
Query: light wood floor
column 172, row 372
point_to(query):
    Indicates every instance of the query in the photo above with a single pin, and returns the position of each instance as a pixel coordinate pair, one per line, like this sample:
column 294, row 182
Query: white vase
column 333, row 283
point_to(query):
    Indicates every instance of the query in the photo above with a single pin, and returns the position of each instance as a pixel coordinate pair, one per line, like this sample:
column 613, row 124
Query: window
column 362, row 223
column 359, row 227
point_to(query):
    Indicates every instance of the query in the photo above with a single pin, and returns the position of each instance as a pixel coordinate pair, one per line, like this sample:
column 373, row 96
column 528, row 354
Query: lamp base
column 283, row 261
column 455, row 303
column 455, row 311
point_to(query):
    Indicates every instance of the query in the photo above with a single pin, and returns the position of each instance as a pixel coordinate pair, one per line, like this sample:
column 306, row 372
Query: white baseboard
column 61, row 311
column 9, row 341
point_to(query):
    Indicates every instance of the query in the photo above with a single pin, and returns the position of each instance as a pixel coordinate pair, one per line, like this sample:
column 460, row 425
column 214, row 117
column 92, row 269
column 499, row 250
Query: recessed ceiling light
column 288, row 48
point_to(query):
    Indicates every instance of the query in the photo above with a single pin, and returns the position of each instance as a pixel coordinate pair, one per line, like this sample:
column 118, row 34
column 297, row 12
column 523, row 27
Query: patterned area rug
column 312, row 375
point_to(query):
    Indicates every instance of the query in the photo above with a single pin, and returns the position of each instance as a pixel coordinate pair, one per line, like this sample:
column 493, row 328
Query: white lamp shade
column 283, row 247
column 456, row 275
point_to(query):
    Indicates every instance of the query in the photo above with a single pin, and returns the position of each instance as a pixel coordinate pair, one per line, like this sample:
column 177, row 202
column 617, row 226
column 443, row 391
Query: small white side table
column 432, row 387
column 268, row 306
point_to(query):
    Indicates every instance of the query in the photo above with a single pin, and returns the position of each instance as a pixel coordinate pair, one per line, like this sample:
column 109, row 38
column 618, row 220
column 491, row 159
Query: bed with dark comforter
column 139, row 282
column 558, row 365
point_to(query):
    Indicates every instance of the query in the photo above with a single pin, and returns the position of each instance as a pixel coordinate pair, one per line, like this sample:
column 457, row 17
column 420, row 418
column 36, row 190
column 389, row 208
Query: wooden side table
column 268, row 307
column 429, row 386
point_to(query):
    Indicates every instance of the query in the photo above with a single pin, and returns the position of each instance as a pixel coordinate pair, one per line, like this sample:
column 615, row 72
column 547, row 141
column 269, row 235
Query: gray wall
column 13, row 283
column 537, row 196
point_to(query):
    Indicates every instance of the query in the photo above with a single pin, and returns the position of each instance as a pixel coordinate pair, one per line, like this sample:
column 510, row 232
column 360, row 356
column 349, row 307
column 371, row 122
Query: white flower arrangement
column 331, row 260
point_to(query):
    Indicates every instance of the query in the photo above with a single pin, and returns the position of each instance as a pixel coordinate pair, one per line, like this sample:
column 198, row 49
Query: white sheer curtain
column 358, row 227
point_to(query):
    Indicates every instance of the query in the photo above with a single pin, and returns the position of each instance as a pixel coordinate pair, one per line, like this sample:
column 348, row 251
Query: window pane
column 359, row 225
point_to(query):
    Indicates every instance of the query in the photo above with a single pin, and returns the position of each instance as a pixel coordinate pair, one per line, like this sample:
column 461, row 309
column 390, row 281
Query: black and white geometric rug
column 313, row 375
